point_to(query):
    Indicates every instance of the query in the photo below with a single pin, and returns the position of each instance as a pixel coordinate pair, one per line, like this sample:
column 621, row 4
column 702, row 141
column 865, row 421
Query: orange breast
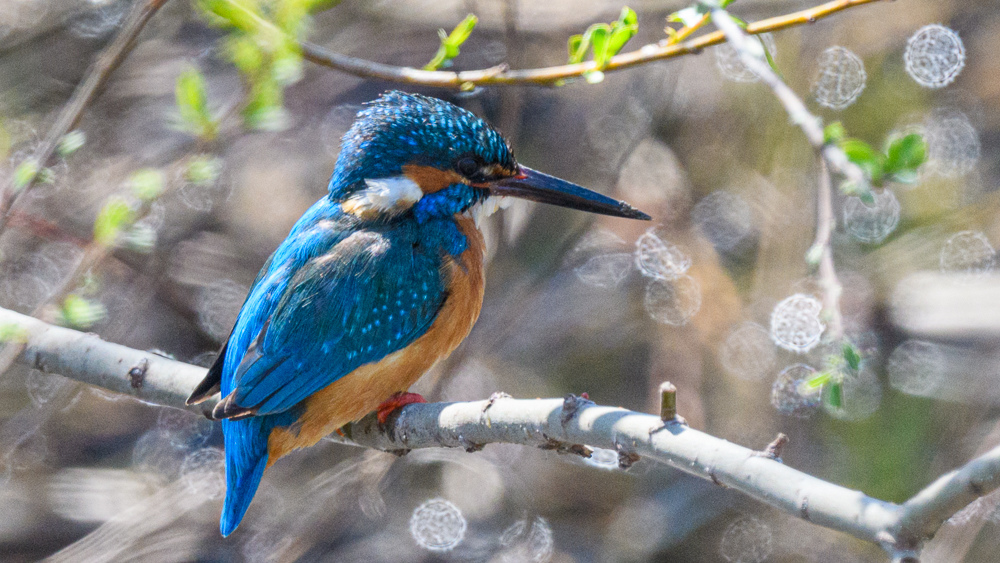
column 359, row 392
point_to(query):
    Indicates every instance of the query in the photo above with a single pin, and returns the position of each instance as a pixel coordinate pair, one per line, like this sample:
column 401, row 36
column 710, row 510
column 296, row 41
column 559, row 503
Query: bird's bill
column 535, row 186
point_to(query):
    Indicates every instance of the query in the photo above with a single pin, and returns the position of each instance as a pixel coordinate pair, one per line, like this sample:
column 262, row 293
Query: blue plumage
column 372, row 269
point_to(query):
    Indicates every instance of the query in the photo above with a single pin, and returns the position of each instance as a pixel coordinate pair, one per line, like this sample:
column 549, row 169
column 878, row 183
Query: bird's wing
column 369, row 296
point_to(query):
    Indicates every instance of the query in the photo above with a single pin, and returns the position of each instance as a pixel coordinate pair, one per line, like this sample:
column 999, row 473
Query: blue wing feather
column 330, row 299
column 365, row 296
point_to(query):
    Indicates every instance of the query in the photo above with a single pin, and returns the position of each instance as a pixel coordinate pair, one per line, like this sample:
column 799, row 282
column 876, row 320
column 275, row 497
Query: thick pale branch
column 502, row 76
column 87, row 358
column 566, row 425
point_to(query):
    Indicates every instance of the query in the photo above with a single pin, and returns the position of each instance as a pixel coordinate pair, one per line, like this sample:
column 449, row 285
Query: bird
column 375, row 283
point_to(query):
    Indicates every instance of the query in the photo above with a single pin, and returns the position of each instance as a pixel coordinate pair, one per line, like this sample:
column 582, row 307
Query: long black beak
column 535, row 186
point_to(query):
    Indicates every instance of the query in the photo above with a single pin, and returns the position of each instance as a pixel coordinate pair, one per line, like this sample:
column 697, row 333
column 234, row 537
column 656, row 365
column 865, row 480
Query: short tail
column 246, row 458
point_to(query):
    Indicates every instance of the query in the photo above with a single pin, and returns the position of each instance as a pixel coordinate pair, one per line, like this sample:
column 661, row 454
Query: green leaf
column 13, row 332
column 834, row 132
column 818, row 380
column 599, row 42
column 768, row 57
column 240, row 14
column 146, row 184
column 192, row 104
column 577, row 49
column 80, row 312
column 71, row 142
column 451, row 43
column 869, row 159
column 25, row 174
column 851, row 356
column 203, row 170
column 906, row 154
column 835, row 394
column 113, row 217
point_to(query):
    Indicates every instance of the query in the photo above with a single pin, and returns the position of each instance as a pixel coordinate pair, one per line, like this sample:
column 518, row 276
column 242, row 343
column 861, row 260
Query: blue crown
column 399, row 129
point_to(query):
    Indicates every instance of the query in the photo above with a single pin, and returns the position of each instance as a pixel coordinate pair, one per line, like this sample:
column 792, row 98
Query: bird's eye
column 467, row 166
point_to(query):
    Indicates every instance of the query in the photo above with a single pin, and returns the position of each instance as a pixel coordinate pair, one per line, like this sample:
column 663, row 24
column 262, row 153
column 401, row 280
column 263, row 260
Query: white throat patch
column 383, row 196
column 480, row 211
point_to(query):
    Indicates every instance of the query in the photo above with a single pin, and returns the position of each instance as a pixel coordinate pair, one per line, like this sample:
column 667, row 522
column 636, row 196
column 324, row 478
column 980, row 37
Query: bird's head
column 408, row 153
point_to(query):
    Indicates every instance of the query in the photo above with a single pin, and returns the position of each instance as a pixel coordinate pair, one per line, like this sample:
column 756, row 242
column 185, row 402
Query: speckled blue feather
column 400, row 129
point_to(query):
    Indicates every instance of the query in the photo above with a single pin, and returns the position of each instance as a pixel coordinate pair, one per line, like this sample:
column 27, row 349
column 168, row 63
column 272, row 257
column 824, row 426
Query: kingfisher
column 379, row 280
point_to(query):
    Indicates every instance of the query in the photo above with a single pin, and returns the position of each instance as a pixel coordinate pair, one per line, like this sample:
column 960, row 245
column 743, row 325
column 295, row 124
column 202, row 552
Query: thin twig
column 502, row 76
column 96, row 76
column 828, row 280
column 553, row 424
column 794, row 106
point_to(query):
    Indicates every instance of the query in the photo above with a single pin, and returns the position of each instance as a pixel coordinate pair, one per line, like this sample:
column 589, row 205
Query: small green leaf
column 240, row 14
column 851, row 356
column 80, row 312
column 767, row 55
column 113, row 217
column 834, row 132
column 203, row 170
column 599, row 35
column 906, row 154
column 835, row 394
column 192, row 103
column 577, row 49
column 869, row 159
column 71, row 142
column 13, row 332
column 146, row 184
column 605, row 40
column 25, row 174
column 451, row 43
column 818, row 380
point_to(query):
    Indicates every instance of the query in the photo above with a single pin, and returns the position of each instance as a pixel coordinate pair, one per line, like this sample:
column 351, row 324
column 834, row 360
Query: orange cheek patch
column 431, row 179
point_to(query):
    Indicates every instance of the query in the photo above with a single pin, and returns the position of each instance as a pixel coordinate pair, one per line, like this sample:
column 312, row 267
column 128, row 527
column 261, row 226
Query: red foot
column 397, row 401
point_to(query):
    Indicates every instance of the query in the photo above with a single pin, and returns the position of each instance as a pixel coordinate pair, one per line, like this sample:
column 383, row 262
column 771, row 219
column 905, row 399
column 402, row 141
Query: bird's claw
column 397, row 401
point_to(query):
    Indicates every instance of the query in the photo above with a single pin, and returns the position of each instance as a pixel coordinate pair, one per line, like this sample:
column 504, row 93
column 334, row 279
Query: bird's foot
column 395, row 402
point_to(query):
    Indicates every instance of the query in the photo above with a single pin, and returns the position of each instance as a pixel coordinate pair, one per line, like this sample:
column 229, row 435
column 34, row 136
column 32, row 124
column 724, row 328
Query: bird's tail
column 246, row 459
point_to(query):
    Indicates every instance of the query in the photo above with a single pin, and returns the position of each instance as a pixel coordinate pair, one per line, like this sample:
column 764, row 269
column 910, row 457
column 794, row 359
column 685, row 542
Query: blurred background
column 715, row 295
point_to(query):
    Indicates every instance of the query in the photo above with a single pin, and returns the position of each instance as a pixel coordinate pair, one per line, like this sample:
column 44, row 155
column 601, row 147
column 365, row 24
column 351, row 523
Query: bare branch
column 828, row 280
column 502, row 76
column 570, row 425
column 97, row 75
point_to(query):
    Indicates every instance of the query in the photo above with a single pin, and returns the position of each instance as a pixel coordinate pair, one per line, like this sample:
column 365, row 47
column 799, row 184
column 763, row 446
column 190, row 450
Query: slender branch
column 924, row 513
column 794, row 106
column 502, row 76
column 96, row 76
column 828, row 280
column 570, row 425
